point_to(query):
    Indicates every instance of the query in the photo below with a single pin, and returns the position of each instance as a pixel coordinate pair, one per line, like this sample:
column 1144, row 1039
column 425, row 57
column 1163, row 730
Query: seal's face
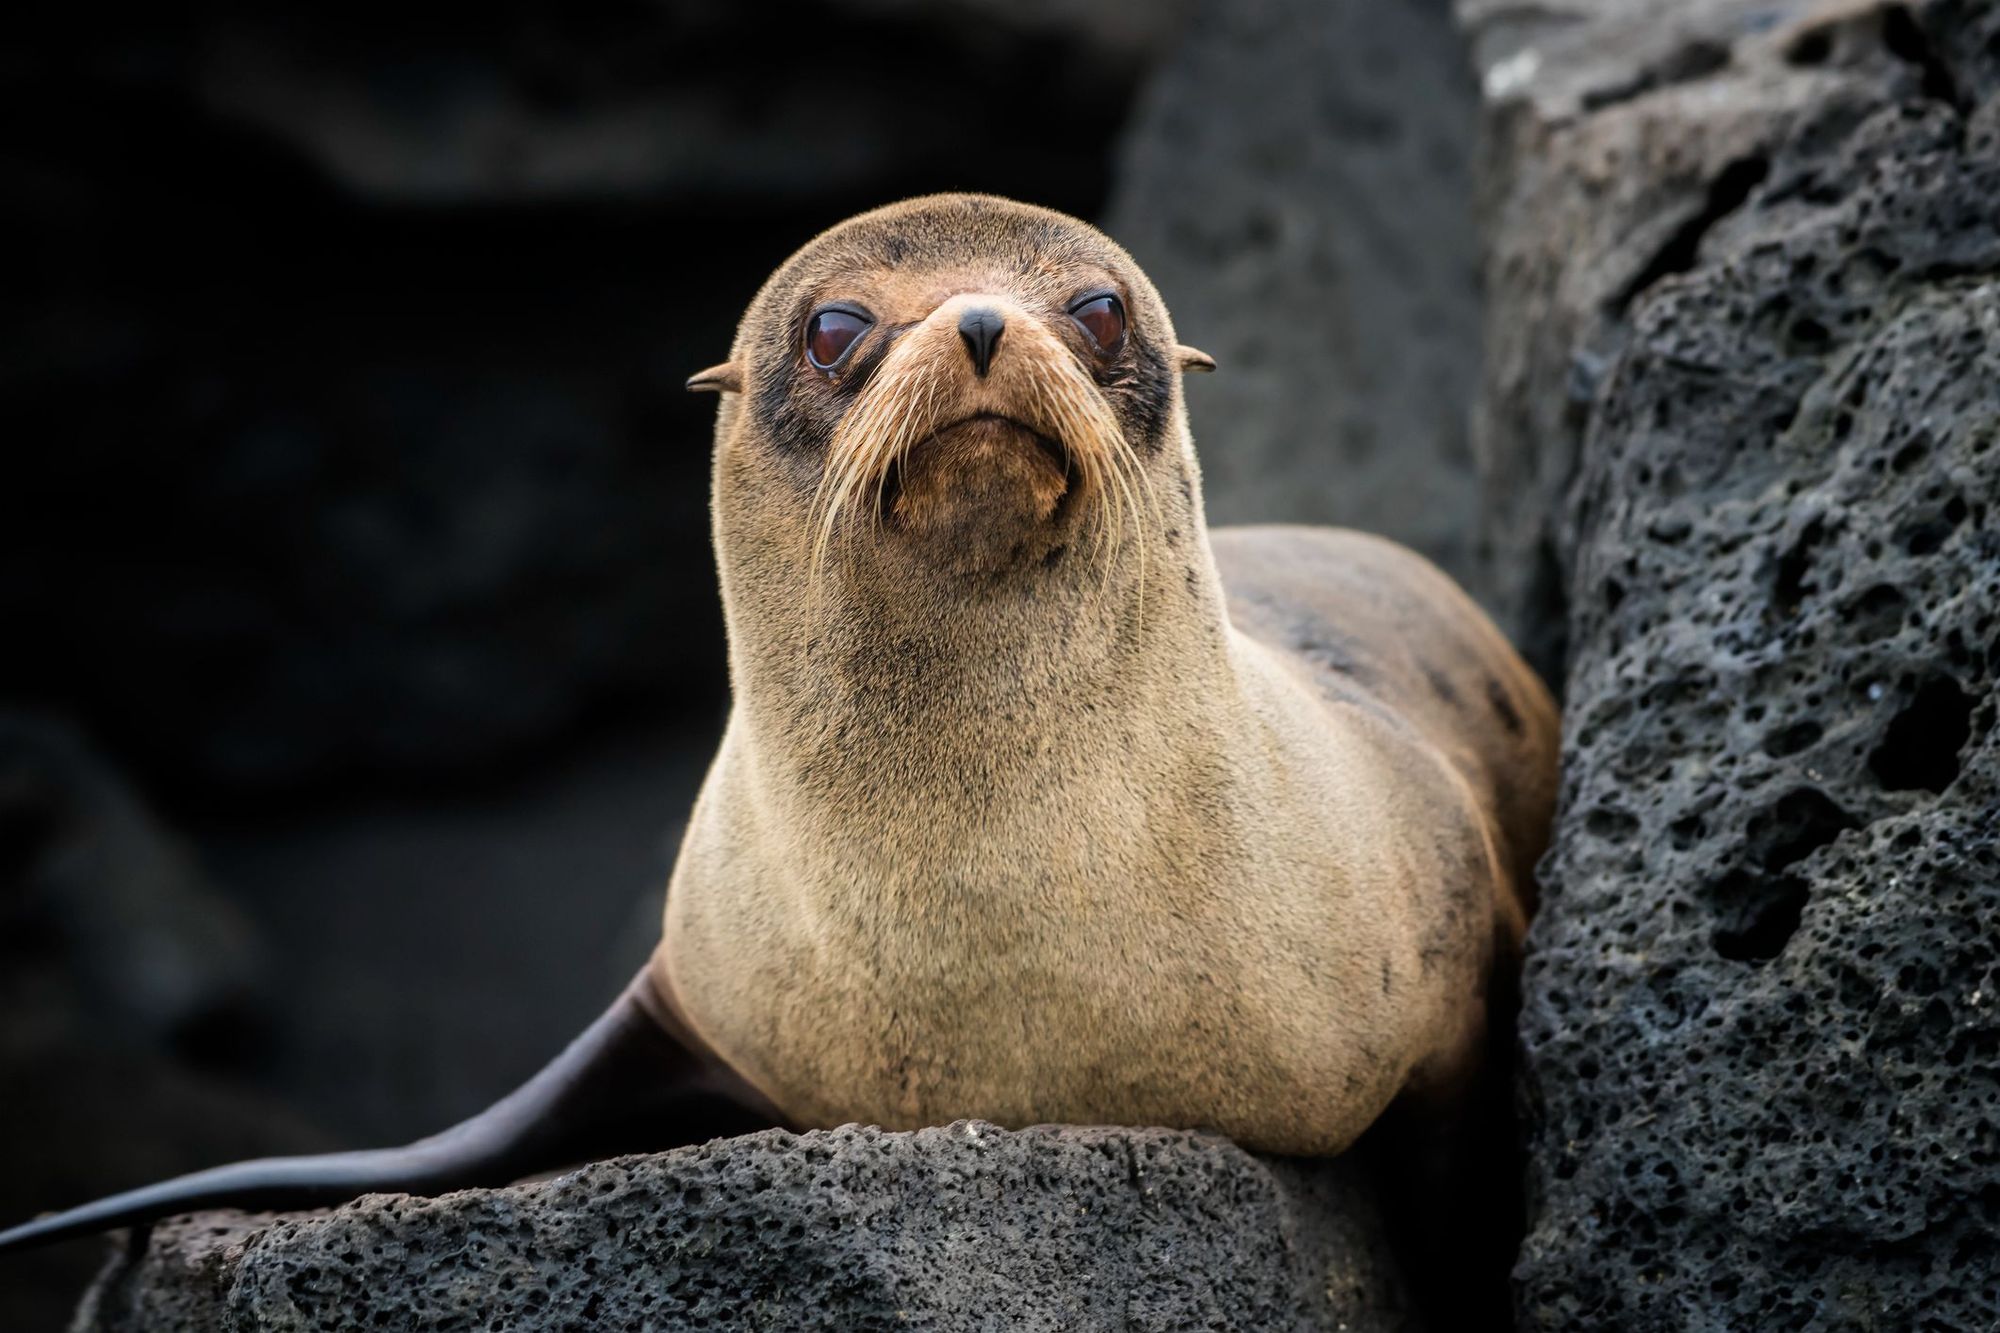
column 959, row 382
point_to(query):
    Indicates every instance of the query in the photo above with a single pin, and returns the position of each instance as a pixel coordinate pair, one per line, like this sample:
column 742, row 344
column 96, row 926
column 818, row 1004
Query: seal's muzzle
column 981, row 439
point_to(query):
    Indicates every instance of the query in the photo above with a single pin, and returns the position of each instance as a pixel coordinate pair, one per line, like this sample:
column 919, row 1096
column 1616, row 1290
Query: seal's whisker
column 898, row 410
column 1128, row 493
column 1096, row 444
column 846, row 460
column 1136, row 470
column 924, row 415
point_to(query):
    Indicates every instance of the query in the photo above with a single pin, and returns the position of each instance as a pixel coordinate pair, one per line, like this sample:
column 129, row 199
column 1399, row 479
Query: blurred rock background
column 363, row 650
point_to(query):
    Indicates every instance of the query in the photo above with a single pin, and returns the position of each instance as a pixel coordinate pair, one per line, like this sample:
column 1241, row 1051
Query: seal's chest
column 1043, row 1026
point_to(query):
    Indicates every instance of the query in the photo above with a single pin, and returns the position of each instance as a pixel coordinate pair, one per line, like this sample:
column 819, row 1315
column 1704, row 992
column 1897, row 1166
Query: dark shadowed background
column 362, row 652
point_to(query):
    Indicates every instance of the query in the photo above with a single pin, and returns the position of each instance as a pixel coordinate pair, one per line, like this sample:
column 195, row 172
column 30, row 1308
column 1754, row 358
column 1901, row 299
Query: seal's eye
column 1102, row 318
column 831, row 333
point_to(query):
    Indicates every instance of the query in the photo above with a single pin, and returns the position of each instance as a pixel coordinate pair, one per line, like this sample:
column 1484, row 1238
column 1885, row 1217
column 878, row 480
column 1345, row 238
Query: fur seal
column 1038, row 801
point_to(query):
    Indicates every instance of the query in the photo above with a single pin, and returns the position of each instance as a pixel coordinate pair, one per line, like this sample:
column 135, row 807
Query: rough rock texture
column 960, row 1228
column 1744, row 445
column 1298, row 182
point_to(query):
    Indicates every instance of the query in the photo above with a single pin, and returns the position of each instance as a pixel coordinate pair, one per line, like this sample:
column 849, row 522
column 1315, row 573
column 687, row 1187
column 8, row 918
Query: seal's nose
column 981, row 328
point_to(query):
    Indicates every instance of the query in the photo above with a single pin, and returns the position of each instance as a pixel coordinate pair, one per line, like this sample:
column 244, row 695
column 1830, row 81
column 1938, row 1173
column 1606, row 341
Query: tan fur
column 1035, row 805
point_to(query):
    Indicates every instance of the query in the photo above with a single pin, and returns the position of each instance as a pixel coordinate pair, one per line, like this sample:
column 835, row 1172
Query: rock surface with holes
column 1751, row 254
column 959, row 1228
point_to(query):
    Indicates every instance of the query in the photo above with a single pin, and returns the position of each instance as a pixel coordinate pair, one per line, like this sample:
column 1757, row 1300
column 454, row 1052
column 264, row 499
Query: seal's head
column 956, row 387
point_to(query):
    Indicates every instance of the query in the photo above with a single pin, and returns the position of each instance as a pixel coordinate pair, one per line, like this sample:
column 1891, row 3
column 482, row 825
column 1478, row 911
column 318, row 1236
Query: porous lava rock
column 1297, row 181
column 1742, row 444
column 957, row 1228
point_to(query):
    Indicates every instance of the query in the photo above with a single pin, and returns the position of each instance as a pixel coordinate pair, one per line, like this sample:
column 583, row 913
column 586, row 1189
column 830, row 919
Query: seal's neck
column 913, row 722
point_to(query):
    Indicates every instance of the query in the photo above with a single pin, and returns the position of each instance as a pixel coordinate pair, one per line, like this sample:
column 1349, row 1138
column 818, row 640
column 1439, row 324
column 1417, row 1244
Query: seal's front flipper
column 632, row 1082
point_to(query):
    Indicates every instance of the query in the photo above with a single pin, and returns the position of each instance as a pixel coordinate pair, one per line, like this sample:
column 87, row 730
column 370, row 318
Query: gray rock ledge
column 959, row 1228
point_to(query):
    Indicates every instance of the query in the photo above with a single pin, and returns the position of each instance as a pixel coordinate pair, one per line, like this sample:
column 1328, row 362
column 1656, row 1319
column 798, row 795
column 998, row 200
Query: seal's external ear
column 725, row 378
column 1191, row 358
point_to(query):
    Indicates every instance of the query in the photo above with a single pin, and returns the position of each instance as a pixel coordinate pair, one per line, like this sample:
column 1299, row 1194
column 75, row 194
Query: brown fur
column 1035, row 804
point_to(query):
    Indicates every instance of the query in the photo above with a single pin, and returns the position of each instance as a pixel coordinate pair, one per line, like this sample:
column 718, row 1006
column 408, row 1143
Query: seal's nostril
column 981, row 328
